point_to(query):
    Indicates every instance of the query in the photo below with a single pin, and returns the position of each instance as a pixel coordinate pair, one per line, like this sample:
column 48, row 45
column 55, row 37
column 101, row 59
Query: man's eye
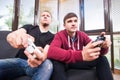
column 75, row 21
column 48, row 16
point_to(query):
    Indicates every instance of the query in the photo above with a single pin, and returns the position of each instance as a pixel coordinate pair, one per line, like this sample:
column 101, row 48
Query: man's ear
column 64, row 25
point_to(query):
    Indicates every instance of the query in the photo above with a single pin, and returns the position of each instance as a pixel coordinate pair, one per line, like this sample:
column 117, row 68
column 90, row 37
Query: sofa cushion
column 23, row 78
column 82, row 74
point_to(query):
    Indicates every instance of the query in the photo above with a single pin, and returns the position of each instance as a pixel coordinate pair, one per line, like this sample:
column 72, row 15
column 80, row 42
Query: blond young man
column 16, row 67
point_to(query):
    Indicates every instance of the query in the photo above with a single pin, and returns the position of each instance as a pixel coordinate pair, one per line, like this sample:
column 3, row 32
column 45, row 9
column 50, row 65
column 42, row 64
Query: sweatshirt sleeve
column 67, row 56
column 57, row 53
column 104, row 51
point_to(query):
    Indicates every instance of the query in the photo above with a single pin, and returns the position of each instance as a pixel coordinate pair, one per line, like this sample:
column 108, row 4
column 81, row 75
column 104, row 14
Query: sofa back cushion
column 6, row 50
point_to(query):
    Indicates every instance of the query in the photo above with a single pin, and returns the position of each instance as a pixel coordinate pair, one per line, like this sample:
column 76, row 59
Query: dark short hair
column 69, row 15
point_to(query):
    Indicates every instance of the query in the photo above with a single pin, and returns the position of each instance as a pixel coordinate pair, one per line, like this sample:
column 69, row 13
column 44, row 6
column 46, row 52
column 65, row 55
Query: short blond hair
column 45, row 11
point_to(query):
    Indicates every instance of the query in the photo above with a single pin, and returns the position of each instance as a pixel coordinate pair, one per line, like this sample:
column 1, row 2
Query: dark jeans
column 102, row 68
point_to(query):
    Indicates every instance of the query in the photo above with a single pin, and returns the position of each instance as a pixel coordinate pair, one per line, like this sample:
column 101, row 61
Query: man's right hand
column 18, row 38
column 34, row 62
column 90, row 52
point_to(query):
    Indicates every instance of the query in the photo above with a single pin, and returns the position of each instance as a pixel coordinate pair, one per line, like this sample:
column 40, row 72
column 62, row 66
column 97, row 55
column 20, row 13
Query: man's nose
column 73, row 23
column 45, row 17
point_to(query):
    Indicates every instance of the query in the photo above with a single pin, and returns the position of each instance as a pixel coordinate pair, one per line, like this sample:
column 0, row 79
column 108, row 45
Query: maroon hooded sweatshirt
column 69, row 50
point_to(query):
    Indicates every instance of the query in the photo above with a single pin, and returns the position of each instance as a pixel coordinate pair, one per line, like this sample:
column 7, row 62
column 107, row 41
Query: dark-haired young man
column 73, row 49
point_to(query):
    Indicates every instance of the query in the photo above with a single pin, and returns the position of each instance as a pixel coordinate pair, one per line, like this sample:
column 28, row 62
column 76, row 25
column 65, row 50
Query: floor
column 116, row 77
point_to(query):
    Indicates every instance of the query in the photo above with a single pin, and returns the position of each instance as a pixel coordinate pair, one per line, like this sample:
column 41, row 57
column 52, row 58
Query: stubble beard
column 45, row 25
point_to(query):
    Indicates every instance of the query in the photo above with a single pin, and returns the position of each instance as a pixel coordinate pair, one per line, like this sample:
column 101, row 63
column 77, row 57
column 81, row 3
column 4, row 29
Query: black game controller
column 100, row 38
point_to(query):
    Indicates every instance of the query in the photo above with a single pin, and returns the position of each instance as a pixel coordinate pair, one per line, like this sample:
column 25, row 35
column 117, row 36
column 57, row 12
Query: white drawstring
column 69, row 42
column 78, row 47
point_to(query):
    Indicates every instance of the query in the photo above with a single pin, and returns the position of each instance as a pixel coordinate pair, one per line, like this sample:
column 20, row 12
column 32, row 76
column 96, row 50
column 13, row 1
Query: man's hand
column 18, row 38
column 106, row 43
column 34, row 62
column 90, row 52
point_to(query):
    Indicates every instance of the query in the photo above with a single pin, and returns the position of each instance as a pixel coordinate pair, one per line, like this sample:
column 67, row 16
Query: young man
column 15, row 67
column 74, row 49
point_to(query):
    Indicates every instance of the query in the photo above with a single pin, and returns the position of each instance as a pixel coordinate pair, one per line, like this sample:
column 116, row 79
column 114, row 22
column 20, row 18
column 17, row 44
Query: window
column 94, row 15
column 115, row 14
column 52, row 6
column 116, row 39
column 26, row 12
column 66, row 6
column 6, row 14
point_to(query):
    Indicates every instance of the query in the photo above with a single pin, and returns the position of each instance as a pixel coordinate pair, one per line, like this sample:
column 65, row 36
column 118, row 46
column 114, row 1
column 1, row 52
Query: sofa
column 7, row 51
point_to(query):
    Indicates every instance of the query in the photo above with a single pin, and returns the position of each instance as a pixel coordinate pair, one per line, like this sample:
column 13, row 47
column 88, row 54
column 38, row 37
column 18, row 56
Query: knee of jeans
column 48, row 64
column 103, row 59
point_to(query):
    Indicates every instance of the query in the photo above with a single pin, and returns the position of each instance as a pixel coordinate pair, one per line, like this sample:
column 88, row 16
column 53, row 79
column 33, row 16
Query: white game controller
column 31, row 47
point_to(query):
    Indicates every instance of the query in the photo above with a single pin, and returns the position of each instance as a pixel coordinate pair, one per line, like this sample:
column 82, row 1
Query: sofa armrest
column 6, row 50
